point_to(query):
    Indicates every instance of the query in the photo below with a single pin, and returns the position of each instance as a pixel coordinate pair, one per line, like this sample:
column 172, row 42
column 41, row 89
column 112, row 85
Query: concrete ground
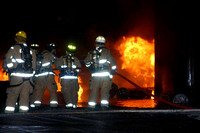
column 113, row 119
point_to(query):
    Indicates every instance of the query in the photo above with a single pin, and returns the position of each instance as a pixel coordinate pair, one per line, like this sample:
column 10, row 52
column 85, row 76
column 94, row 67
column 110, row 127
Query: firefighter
column 99, row 62
column 39, row 59
column 45, row 77
column 36, row 48
column 20, row 63
column 69, row 67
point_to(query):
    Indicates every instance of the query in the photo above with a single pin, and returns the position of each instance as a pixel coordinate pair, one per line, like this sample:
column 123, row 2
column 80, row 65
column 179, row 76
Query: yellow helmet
column 71, row 47
column 35, row 46
column 21, row 34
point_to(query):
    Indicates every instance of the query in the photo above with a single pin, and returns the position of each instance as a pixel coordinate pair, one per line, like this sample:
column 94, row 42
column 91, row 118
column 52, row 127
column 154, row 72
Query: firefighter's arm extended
column 112, row 62
column 108, row 58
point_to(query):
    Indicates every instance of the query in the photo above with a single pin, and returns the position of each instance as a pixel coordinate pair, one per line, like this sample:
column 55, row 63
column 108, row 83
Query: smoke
column 139, row 20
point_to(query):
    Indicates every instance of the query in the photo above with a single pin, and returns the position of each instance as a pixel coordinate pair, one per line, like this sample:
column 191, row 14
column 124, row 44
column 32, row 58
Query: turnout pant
column 41, row 83
column 22, row 90
column 69, row 90
column 104, row 83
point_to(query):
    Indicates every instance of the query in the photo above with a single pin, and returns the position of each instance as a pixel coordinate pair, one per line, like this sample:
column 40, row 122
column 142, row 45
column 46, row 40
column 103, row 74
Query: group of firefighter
column 31, row 72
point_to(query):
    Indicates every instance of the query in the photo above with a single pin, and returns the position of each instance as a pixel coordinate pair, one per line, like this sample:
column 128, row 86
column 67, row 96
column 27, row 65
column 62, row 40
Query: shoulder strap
column 21, row 45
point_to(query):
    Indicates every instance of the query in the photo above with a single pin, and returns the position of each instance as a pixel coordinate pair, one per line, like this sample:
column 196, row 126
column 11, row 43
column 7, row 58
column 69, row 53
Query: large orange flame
column 138, row 60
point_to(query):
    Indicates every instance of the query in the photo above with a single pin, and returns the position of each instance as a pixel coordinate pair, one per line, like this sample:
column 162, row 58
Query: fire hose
column 156, row 97
column 147, row 93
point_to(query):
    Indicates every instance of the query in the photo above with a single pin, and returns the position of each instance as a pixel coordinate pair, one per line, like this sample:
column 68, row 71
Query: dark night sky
column 77, row 21
column 82, row 21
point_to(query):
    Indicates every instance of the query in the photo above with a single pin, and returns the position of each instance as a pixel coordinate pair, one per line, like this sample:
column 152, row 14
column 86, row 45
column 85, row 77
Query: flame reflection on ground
column 139, row 103
column 136, row 103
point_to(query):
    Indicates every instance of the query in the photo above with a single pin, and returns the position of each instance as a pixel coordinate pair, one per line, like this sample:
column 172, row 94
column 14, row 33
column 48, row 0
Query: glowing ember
column 138, row 60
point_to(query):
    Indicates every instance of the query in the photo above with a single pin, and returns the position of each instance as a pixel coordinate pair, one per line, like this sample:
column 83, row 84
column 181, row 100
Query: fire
column 153, row 93
column 3, row 76
column 57, row 79
column 138, row 59
column 80, row 92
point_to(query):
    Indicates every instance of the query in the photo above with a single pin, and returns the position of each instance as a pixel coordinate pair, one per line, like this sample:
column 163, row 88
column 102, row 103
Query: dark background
column 177, row 42
column 76, row 21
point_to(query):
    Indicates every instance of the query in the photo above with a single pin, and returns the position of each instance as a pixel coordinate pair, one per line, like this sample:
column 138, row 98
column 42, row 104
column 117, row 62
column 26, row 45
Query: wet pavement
column 113, row 119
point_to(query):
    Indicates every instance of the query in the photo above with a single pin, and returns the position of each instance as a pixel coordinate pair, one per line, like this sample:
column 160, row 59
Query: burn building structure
column 177, row 66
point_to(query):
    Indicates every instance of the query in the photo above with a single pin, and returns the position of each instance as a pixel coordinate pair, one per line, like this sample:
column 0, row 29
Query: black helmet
column 35, row 47
column 51, row 47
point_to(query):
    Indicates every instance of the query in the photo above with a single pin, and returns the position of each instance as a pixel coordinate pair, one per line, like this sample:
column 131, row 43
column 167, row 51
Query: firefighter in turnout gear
column 45, row 77
column 35, row 47
column 20, row 63
column 39, row 59
column 99, row 62
column 69, row 67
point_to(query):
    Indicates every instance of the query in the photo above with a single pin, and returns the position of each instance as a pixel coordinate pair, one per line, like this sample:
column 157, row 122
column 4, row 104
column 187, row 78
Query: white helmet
column 100, row 39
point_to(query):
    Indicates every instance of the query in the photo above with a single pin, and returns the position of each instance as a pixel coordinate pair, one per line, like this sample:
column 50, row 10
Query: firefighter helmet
column 35, row 47
column 51, row 46
column 100, row 40
column 71, row 47
column 21, row 34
